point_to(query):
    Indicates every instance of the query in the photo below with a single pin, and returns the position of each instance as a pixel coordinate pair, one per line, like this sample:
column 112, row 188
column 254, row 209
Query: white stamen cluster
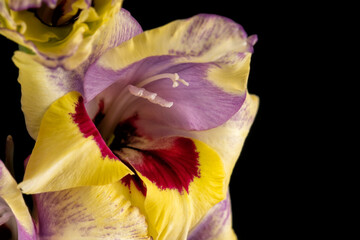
column 152, row 97
column 124, row 100
column 139, row 91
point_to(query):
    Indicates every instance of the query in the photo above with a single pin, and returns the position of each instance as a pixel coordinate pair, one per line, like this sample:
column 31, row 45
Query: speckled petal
column 96, row 212
column 216, row 225
column 19, row 5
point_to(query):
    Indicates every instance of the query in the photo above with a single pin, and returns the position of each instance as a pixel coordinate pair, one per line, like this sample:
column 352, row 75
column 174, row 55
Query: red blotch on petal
column 87, row 127
column 173, row 167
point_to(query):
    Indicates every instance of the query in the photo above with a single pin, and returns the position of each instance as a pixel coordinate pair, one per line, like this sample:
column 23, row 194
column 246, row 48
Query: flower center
column 63, row 13
column 126, row 97
column 170, row 163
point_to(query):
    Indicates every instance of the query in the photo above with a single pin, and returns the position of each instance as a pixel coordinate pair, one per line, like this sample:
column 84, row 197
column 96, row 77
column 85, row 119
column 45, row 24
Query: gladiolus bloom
column 162, row 117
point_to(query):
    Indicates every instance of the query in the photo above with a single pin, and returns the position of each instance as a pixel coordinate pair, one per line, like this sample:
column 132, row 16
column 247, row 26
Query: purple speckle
column 212, row 225
column 19, row 5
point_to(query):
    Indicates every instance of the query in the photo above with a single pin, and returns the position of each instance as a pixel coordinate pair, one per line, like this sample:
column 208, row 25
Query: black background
column 269, row 180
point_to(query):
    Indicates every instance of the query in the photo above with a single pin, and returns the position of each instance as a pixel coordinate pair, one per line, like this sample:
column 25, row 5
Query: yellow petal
column 200, row 39
column 40, row 87
column 228, row 139
column 69, row 151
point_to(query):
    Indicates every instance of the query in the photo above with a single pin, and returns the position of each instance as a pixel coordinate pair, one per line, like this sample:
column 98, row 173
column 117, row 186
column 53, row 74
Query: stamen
column 152, row 97
column 174, row 77
column 110, row 140
column 124, row 100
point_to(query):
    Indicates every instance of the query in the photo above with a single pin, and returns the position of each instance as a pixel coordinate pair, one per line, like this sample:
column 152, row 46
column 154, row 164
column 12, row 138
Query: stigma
column 174, row 77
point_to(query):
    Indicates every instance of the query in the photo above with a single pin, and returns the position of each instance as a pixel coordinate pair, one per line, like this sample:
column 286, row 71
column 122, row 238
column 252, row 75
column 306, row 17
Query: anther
column 150, row 96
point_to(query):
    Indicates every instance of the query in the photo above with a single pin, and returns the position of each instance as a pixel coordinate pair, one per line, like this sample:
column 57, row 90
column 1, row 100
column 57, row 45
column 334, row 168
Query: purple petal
column 199, row 106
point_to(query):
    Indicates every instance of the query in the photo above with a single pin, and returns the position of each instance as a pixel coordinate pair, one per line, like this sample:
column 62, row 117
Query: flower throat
column 130, row 94
column 59, row 16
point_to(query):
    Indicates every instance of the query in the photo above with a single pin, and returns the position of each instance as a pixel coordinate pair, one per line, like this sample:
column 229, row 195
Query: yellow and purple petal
column 13, row 207
column 216, row 225
column 93, row 212
column 228, row 139
column 69, row 151
column 209, row 54
column 19, row 5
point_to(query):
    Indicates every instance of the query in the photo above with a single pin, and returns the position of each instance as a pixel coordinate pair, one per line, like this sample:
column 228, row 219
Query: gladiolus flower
column 62, row 32
column 162, row 117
